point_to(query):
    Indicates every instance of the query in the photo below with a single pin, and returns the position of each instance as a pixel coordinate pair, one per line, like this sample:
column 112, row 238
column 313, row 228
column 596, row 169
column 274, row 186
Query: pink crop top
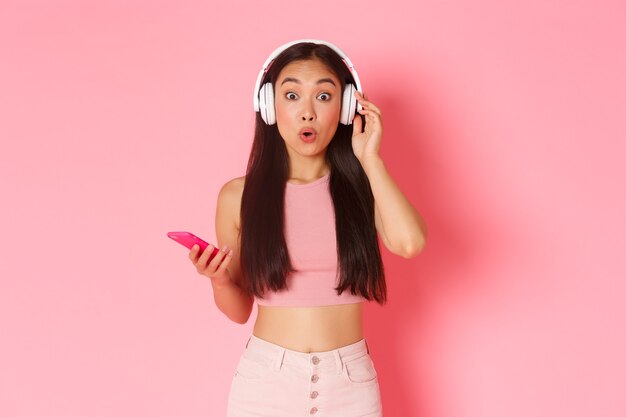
column 312, row 246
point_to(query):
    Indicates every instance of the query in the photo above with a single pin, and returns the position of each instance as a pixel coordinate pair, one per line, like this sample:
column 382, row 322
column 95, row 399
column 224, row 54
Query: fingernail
column 225, row 248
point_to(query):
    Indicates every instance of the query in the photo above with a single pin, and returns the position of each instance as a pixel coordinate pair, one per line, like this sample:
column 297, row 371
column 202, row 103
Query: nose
column 308, row 113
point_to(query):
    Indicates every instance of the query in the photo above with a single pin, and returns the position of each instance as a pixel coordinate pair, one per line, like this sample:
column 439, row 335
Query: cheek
column 283, row 112
column 281, row 129
column 279, row 111
column 332, row 114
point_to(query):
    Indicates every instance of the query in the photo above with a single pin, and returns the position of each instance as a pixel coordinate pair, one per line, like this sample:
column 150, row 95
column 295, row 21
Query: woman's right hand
column 216, row 269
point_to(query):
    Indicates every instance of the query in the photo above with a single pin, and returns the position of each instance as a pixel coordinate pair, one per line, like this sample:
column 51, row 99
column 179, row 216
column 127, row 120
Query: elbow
column 243, row 316
column 409, row 253
column 416, row 244
column 240, row 319
column 413, row 249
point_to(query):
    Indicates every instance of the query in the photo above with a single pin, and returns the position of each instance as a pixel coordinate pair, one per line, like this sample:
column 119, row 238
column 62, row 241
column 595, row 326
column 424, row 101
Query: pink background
column 504, row 125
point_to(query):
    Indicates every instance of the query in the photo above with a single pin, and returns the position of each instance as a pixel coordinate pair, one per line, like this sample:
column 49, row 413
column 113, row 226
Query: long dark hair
column 264, row 257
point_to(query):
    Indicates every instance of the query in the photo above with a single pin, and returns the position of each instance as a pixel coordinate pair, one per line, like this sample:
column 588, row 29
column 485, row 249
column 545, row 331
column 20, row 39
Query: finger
column 371, row 106
column 193, row 253
column 226, row 261
column 219, row 256
column 376, row 109
column 369, row 113
column 361, row 98
column 366, row 103
column 204, row 258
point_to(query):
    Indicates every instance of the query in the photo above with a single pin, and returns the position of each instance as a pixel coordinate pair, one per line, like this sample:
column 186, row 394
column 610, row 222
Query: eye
column 291, row 96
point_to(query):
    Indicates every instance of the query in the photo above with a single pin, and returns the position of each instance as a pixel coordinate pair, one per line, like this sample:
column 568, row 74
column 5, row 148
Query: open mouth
column 308, row 137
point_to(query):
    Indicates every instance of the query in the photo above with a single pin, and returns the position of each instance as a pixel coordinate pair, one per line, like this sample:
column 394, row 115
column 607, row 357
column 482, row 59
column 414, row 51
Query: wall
column 503, row 124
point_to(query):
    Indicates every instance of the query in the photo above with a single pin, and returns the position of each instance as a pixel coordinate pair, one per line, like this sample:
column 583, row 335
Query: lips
column 307, row 131
column 307, row 134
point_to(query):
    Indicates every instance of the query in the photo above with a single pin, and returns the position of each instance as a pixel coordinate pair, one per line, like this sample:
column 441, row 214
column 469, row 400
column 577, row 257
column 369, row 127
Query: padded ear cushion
column 269, row 104
column 266, row 103
column 348, row 104
column 262, row 102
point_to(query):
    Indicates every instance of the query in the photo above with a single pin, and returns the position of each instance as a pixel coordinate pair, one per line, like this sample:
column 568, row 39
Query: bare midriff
column 310, row 329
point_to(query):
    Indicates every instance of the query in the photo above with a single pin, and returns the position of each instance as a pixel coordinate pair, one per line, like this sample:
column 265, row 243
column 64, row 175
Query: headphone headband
column 281, row 48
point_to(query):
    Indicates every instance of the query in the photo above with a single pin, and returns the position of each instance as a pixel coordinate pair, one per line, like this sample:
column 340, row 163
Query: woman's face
column 307, row 95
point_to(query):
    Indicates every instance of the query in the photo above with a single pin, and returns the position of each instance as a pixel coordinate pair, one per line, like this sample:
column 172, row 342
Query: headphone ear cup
column 266, row 103
column 348, row 105
column 269, row 104
column 262, row 103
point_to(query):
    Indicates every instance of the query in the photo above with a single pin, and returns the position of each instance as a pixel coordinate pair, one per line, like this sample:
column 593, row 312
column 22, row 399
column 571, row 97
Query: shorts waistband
column 327, row 361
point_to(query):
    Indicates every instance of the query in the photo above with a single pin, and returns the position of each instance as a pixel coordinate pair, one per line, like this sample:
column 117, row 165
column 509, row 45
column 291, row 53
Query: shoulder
column 233, row 188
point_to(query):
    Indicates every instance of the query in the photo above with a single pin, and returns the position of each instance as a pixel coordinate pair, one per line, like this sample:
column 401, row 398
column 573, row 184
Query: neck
column 308, row 172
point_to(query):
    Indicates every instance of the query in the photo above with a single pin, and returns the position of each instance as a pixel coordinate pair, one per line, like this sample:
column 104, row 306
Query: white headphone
column 264, row 98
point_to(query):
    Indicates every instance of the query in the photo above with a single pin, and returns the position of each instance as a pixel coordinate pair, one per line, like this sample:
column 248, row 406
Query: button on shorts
column 272, row 381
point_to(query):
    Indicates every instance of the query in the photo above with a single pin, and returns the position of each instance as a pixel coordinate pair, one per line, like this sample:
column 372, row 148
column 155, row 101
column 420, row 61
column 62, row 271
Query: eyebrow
column 297, row 81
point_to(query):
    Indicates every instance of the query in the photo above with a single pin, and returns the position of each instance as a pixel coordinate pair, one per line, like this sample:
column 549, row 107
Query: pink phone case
column 189, row 239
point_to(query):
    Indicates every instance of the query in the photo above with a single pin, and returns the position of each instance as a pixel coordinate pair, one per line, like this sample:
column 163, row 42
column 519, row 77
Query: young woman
column 302, row 226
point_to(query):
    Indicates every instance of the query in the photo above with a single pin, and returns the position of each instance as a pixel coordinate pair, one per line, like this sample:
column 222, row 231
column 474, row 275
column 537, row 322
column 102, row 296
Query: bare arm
column 224, row 270
column 400, row 226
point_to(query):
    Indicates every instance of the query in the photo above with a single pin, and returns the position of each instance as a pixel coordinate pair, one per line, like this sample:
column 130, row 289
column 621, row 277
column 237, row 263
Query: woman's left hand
column 367, row 143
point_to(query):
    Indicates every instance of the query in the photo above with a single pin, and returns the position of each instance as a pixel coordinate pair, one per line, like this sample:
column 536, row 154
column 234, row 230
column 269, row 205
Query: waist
column 308, row 329
column 324, row 361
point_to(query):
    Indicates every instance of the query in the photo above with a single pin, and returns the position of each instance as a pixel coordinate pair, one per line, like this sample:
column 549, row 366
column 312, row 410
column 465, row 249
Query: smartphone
column 189, row 239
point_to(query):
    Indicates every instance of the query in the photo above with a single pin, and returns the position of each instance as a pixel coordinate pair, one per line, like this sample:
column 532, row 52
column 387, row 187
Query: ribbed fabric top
column 312, row 246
